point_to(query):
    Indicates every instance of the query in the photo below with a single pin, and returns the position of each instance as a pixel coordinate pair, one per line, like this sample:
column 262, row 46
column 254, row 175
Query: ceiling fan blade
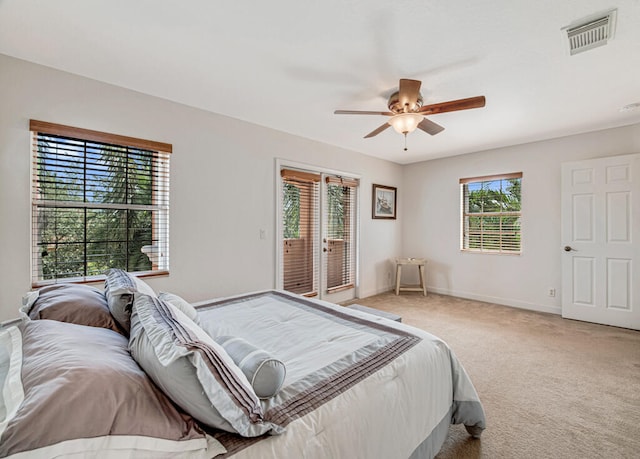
column 360, row 112
column 430, row 127
column 454, row 105
column 377, row 131
column 408, row 93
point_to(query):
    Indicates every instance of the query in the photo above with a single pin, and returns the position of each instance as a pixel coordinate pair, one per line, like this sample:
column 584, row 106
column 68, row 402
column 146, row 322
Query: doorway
column 318, row 233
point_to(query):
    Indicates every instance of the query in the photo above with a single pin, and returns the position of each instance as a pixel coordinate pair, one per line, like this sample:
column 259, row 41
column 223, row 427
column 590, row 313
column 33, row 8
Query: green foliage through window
column 338, row 207
column 96, row 206
column 291, row 211
column 491, row 213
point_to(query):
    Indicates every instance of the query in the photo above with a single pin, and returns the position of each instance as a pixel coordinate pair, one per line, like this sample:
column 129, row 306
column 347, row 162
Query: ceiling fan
column 407, row 112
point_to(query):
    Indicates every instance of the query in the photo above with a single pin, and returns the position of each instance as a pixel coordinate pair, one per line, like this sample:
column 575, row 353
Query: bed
column 263, row 374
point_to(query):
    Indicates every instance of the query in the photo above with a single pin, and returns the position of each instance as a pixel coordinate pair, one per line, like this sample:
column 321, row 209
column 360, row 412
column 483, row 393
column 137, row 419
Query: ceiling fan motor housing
column 396, row 107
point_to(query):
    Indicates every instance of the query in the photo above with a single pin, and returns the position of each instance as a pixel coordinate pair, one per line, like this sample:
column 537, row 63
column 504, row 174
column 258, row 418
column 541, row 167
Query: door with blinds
column 318, row 228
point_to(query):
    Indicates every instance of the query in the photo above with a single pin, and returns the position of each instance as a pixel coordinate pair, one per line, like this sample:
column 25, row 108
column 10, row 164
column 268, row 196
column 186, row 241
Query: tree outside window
column 97, row 206
column 491, row 213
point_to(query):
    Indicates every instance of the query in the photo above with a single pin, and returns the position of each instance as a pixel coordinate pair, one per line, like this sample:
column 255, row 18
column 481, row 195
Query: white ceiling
column 288, row 64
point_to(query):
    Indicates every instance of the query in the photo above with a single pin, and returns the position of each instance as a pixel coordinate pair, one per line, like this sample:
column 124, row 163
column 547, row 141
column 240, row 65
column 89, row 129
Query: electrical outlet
column 552, row 292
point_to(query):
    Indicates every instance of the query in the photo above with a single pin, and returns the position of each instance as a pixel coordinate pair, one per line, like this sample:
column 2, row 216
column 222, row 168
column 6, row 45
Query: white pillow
column 194, row 370
column 181, row 304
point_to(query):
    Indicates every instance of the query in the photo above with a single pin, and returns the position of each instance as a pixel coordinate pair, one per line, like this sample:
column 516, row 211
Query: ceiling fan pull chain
column 405, row 141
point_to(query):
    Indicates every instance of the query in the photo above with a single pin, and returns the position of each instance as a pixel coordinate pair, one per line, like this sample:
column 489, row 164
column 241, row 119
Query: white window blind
column 99, row 201
column 340, row 225
column 491, row 213
column 300, row 217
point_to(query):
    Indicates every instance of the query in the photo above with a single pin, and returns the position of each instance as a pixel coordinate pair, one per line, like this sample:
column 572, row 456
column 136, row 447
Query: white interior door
column 318, row 234
column 601, row 239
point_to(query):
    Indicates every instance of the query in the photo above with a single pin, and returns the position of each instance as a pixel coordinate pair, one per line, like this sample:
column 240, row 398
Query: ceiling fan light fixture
column 404, row 123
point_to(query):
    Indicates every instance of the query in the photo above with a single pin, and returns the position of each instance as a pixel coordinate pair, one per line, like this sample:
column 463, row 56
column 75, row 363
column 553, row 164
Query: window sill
column 93, row 279
column 491, row 252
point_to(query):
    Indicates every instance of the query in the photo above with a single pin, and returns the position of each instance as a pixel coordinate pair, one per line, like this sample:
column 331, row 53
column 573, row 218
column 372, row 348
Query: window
column 99, row 201
column 491, row 213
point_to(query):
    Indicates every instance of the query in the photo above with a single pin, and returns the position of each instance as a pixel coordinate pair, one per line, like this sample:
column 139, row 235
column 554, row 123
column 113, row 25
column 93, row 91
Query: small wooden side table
column 420, row 263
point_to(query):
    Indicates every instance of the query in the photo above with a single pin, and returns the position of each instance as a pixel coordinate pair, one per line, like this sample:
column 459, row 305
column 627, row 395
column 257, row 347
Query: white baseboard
column 376, row 292
column 498, row 300
column 473, row 296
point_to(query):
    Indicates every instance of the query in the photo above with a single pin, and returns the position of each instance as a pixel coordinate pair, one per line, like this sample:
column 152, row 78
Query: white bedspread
column 375, row 388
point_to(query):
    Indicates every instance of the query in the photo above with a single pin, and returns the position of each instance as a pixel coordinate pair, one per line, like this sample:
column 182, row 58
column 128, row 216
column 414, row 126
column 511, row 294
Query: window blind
column 491, row 211
column 300, row 223
column 99, row 201
column 340, row 225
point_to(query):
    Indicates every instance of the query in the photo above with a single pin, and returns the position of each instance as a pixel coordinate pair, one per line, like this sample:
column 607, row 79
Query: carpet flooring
column 551, row 387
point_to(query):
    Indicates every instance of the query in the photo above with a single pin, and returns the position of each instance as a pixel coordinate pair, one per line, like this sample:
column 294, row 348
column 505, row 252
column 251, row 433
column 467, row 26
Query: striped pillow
column 119, row 287
column 181, row 304
column 194, row 370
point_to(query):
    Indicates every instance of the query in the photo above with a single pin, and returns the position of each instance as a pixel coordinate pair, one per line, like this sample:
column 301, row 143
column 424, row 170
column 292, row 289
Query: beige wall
column 216, row 248
column 431, row 223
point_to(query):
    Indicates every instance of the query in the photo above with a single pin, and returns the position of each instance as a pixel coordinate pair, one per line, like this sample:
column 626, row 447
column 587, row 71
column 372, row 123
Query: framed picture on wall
column 384, row 199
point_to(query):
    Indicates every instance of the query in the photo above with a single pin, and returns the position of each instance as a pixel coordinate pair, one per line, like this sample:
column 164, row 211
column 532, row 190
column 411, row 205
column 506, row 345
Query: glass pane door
column 339, row 238
column 319, row 217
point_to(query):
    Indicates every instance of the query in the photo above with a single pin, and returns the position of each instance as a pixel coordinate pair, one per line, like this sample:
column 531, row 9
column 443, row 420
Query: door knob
column 567, row 248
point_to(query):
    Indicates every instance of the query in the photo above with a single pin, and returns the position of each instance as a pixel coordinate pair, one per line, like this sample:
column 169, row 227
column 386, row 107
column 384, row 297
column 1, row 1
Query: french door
column 600, row 234
column 318, row 228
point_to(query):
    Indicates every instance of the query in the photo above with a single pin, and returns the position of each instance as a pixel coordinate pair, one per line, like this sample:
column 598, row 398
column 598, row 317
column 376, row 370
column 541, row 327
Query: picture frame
column 384, row 200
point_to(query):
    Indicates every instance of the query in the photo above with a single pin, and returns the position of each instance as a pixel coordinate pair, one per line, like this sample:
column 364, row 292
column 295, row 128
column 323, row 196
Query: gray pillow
column 81, row 387
column 74, row 303
column 194, row 370
column 265, row 373
column 119, row 287
column 181, row 304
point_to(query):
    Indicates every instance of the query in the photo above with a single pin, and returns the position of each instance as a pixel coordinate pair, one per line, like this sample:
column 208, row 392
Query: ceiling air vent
column 591, row 34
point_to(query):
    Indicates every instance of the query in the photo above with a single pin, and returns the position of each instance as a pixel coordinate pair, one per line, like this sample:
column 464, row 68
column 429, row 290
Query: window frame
column 158, row 154
column 465, row 215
